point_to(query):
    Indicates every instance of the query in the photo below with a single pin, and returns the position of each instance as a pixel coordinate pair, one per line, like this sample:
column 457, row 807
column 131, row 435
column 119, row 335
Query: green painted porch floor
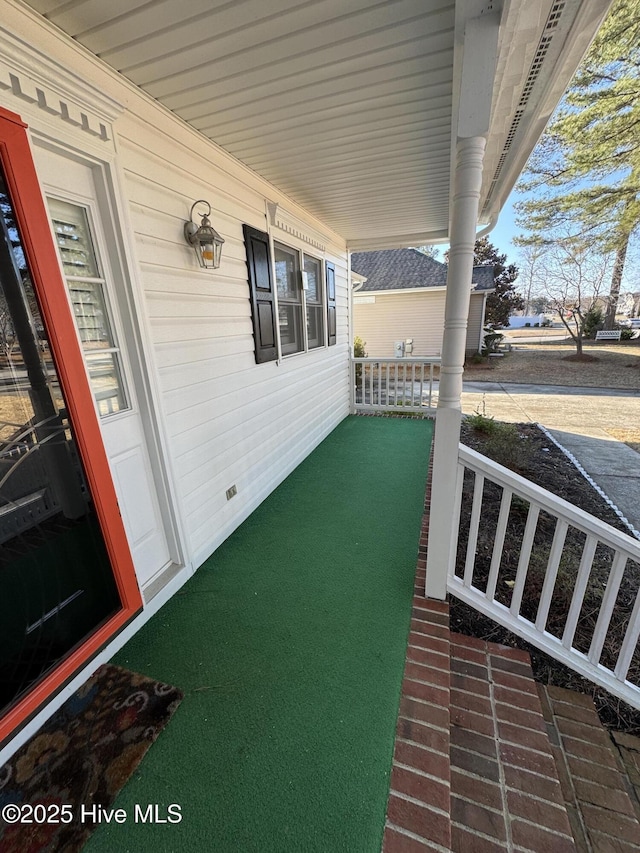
column 289, row 644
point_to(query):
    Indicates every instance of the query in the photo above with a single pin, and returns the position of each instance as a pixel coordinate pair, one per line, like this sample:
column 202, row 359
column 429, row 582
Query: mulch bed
column 527, row 450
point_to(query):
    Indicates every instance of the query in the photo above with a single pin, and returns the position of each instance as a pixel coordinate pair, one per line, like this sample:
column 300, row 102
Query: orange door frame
column 33, row 223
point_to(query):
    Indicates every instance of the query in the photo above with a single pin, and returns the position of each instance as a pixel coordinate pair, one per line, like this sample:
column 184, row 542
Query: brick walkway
column 596, row 788
column 487, row 761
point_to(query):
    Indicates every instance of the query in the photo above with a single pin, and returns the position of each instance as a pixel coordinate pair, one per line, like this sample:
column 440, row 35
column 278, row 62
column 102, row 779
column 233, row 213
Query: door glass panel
column 57, row 585
column 87, row 289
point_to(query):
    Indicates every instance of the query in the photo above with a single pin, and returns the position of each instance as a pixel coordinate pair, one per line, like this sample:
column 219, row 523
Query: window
column 297, row 293
column 290, row 298
column 313, row 295
column 87, row 289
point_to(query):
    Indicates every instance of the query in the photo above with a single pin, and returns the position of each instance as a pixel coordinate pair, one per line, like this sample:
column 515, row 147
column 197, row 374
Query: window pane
column 315, row 313
column 290, row 317
column 106, row 381
column 315, row 327
column 90, row 305
column 286, row 274
column 73, row 238
column 312, row 268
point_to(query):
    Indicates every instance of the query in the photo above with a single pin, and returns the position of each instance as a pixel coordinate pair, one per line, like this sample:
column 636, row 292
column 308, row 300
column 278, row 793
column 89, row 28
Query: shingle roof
column 400, row 269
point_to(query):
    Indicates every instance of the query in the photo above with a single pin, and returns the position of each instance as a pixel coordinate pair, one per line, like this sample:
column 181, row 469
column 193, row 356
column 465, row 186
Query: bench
column 608, row 336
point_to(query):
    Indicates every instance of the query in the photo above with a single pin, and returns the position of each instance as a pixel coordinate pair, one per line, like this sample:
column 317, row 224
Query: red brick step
column 488, row 761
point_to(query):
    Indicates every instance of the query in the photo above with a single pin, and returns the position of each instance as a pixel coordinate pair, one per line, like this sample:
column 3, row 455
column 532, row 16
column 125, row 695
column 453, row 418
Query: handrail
column 596, row 541
column 386, row 384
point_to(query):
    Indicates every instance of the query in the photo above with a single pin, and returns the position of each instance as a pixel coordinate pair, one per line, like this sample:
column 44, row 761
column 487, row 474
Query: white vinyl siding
column 229, row 420
column 398, row 316
column 221, row 419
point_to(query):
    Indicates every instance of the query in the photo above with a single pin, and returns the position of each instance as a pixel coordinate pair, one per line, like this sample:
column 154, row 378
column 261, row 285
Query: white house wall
column 221, row 419
column 418, row 315
column 229, row 421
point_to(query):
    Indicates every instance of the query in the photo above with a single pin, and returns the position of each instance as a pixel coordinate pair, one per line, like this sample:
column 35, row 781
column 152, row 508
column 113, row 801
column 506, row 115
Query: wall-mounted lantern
column 204, row 239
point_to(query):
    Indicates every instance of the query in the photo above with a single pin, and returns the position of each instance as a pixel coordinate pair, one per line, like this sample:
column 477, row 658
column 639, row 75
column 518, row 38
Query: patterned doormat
column 54, row 786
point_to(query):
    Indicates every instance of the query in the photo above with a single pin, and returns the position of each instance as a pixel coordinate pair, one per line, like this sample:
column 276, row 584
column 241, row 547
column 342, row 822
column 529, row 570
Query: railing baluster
column 498, row 542
column 387, row 390
column 525, row 556
column 403, row 383
column 430, row 384
column 371, row 371
column 619, row 677
column 631, row 637
column 474, row 526
column 606, row 608
column 584, row 570
column 560, row 534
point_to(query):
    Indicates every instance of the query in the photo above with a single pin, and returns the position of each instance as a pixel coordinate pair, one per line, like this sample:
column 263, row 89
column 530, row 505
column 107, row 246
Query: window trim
column 301, row 253
column 105, row 282
column 266, row 303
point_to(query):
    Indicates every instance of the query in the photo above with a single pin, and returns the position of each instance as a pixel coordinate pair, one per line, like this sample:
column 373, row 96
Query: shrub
column 626, row 334
column 527, row 325
column 491, row 341
column 480, row 421
column 358, row 348
column 593, row 320
column 505, row 446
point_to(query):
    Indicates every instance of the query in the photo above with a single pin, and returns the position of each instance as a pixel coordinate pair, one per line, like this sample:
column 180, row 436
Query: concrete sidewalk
column 578, row 418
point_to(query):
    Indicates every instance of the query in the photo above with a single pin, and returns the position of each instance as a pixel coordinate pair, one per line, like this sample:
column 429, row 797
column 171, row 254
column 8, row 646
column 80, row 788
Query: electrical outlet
column 232, row 492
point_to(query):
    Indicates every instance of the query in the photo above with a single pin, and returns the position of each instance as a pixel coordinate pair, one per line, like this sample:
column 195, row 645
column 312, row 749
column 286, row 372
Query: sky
column 506, row 230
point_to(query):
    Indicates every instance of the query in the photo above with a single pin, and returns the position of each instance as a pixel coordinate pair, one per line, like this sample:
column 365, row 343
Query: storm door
column 58, row 587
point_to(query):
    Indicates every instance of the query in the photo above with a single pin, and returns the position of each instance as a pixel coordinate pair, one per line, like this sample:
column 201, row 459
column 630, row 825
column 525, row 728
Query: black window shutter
column 331, row 303
column 263, row 309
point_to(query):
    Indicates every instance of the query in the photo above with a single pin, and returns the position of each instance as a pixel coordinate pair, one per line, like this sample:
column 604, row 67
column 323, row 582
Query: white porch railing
column 406, row 384
column 588, row 576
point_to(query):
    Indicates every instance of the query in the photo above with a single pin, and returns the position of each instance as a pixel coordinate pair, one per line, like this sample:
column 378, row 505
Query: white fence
column 551, row 569
column 405, row 384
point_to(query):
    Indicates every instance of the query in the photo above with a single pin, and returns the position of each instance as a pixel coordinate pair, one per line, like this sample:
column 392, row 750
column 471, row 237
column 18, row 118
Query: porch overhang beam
column 399, row 241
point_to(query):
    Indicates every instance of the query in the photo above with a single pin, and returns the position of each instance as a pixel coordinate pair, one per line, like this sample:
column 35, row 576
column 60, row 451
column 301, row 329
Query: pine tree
column 504, row 300
column 585, row 173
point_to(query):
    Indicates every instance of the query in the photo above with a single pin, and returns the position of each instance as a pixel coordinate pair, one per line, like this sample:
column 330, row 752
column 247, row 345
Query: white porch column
column 442, row 515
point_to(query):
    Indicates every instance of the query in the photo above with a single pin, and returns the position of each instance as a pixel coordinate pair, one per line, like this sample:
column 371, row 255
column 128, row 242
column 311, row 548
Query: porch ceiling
column 347, row 106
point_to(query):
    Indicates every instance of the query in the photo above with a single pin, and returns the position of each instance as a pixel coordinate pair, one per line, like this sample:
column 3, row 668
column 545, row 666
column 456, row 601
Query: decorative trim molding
column 280, row 218
column 41, row 82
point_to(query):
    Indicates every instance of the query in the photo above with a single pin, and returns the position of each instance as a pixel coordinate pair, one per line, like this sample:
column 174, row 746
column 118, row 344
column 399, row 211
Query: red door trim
column 33, row 222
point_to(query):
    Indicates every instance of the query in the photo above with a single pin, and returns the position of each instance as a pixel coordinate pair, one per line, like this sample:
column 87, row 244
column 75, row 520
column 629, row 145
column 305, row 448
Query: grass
column 630, row 436
column 617, row 366
column 289, row 644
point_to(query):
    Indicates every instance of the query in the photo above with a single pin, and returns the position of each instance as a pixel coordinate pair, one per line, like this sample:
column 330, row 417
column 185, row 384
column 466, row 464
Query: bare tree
column 530, row 256
column 7, row 333
column 573, row 276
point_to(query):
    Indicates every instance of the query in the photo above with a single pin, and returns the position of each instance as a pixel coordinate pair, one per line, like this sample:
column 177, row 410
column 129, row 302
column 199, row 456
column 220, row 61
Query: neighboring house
column 151, row 404
column 403, row 299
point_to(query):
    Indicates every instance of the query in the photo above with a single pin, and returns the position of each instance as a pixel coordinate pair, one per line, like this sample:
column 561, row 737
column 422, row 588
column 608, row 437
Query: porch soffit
column 347, row 106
